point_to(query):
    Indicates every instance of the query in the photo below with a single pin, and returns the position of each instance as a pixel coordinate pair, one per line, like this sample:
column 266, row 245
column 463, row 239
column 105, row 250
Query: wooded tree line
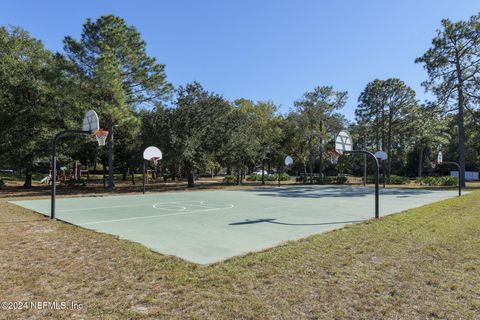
column 108, row 70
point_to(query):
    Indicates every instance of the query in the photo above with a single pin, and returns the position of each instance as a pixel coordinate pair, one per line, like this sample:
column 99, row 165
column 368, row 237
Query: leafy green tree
column 240, row 145
column 118, row 75
column 195, row 135
column 268, row 132
column 317, row 118
column 453, row 67
column 37, row 99
column 129, row 150
column 385, row 112
column 429, row 132
column 263, row 129
column 157, row 129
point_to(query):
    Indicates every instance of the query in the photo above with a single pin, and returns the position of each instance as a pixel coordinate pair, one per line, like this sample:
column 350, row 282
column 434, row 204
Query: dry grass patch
column 424, row 263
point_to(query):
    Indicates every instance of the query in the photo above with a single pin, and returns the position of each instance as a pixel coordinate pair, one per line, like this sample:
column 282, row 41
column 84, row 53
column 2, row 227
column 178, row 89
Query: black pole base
column 377, row 174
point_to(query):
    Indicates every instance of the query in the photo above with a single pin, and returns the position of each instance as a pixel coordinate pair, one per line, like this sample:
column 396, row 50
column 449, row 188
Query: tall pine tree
column 119, row 77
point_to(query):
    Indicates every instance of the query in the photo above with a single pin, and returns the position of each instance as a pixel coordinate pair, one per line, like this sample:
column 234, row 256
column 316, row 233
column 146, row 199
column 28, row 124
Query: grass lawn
column 420, row 264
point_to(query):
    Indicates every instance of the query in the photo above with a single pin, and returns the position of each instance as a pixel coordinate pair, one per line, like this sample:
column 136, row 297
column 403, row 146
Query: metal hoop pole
column 377, row 173
column 144, row 168
column 383, row 173
column 459, row 173
column 54, row 165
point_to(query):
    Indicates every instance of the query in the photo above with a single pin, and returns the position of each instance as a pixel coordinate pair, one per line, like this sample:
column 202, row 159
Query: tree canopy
column 203, row 133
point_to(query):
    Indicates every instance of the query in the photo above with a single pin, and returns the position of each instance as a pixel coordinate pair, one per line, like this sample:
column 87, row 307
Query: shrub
column 449, row 181
column 268, row 177
column 340, row 180
column 398, row 179
column 230, row 179
column 301, row 179
column 76, row 183
column 446, row 181
column 283, row 177
column 394, row 179
column 256, row 177
column 331, row 180
column 2, row 184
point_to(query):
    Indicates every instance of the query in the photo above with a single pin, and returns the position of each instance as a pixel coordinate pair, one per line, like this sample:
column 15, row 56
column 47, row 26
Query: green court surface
column 210, row 226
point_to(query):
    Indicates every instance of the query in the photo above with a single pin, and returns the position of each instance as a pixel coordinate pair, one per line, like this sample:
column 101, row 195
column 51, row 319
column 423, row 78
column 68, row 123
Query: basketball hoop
column 150, row 154
column 434, row 164
column 155, row 160
column 288, row 161
column 101, row 136
column 343, row 142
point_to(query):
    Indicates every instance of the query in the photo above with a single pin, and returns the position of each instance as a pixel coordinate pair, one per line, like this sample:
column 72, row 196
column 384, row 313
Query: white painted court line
column 137, row 205
column 154, row 216
column 169, row 207
column 100, row 208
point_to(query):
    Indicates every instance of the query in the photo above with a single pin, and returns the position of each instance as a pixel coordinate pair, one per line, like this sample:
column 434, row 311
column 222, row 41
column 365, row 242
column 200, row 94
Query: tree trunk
column 111, row 183
column 322, row 141
column 263, row 171
column 461, row 128
column 321, row 159
column 461, row 144
column 104, row 174
column 311, row 170
column 364, row 170
column 28, row 175
column 389, row 144
column 190, row 178
column 133, row 176
column 304, row 172
column 420, row 161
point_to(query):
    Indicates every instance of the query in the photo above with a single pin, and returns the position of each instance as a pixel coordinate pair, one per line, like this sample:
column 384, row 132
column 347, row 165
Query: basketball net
column 101, row 136
column 155, row 161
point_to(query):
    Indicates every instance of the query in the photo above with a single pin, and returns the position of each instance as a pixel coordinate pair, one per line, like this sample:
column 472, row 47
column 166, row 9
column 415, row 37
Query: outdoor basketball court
column 210, row 226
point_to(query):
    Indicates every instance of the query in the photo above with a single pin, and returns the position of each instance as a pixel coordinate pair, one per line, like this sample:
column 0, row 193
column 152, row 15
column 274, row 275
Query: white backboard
column 288, row 161
column 382, row 155
column 90, row 122
column 343, row 142
column 440, row 157
column 152, row 153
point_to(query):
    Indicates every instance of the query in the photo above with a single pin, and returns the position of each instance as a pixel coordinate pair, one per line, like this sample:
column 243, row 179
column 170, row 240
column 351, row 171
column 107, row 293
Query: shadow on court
column 335, row 192
column 206, row 227
column 247, row 222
